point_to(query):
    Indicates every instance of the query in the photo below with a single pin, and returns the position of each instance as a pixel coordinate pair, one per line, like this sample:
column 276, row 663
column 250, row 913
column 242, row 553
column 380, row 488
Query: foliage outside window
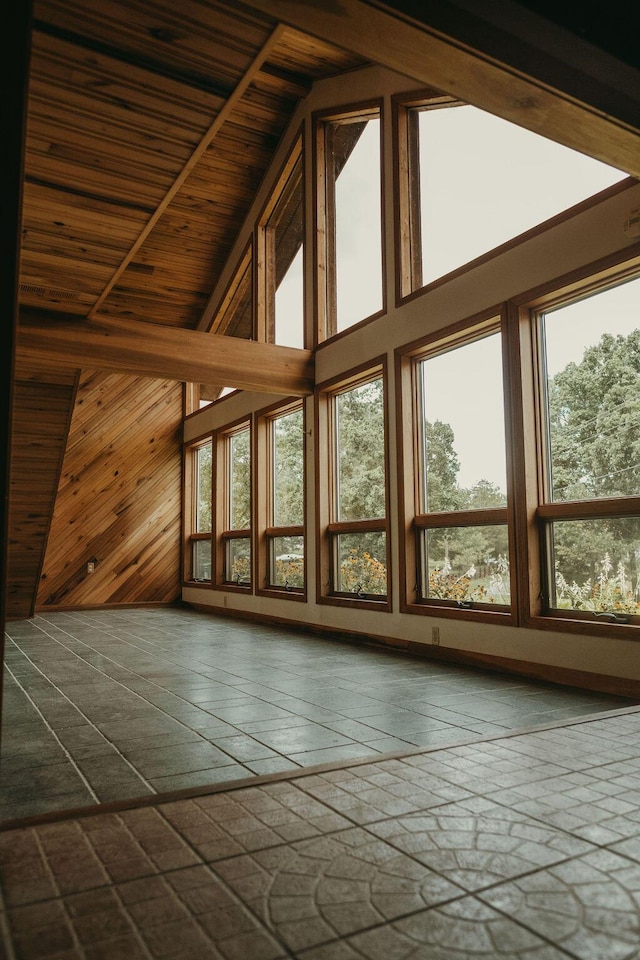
column 285, row 535
column 200, row 540
column 357, row 532
column 237, row 534
column 453, row 210
column 350, row 214
column 591, row 511
column 461, row 523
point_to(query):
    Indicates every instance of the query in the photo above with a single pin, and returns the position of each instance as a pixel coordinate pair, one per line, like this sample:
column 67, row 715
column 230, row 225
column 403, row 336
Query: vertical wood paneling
column 119, row 497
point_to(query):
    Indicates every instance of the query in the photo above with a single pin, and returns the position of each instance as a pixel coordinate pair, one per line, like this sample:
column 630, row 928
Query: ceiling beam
column 218, row 122
column 151, row 350
column 442, row 61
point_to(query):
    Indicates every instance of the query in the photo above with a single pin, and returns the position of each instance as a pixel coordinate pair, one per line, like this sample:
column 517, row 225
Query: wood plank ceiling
column 149, row 128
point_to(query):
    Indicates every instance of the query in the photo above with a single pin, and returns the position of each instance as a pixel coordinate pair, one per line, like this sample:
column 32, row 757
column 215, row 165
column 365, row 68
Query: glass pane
column 288, row 470
column 290, row 305
column 464, row 463
column 240, row 481
column 359, row 452
column 597, row 565
column 203, row 489
column 466, row 564
column 201, row 560
column 361, row 563
column 238, row 561
column 287, row 562
column 353, row 161
column 287, row 220
column 593, row 395
column 516, row 179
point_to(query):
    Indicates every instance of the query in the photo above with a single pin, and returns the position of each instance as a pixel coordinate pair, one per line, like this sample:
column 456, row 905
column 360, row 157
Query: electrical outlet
column 91, row 567
column 435, row 635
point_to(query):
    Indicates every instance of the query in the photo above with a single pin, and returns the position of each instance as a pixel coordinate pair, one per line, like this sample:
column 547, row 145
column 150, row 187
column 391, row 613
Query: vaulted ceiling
column 150, row 126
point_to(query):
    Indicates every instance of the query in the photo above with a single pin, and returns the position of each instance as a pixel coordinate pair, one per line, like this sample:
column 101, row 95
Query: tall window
column 462, row 192
column 282, row 260
column 358, row 528
column 236, row 536
column 350, row 218
column 201, row 473
column 591, row 509
column 461, row 533
column 285, row 533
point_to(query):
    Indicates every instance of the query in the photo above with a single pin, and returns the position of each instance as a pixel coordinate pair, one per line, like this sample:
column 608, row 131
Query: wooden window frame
column 412, row 521
column 224, row 533
column 190, row 512
column 407, row 215
column 325, row 290
column 265, row 246
column 266, row 531
column 328, row 527
column 536, row 510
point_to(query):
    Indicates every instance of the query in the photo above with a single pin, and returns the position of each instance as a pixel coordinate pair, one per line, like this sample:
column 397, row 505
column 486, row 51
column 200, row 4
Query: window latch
column 358, row 590
column 611, row 617
column 465, row 604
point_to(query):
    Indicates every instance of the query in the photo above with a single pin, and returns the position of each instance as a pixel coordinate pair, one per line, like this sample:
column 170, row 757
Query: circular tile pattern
column 478, row 849
column 590, row 905
column 332, row 887
column 463, row 930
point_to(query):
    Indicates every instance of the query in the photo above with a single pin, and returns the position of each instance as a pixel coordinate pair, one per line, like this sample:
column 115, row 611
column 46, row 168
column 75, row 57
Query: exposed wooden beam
column 221, row 118
column 442, row 62
column 152, row 350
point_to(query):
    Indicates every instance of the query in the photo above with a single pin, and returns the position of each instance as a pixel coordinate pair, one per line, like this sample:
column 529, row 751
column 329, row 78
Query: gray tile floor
column 524, row 846
column 118, row 705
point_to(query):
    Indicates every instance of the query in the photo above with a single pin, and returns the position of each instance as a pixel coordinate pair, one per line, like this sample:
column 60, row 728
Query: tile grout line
column 466, row 730
column 158, row 687
column 52, row 730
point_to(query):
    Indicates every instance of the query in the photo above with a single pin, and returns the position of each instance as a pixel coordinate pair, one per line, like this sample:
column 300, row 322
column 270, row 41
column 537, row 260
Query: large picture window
column 590, row 365
column 461, row 186
column 460, row 525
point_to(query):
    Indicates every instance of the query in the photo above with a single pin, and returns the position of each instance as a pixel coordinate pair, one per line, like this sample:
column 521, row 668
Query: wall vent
column 47, row 293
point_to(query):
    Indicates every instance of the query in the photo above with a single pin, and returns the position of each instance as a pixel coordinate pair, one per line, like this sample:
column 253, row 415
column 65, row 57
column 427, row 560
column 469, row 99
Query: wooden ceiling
column 149, row 128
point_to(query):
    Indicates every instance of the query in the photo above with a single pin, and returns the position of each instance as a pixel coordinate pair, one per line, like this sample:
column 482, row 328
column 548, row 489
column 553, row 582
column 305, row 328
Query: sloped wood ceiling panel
column 148, row 132
column 119, row 498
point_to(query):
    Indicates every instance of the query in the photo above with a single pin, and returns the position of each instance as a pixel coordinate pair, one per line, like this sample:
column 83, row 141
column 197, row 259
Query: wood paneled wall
column 41, row 409
column 119, row 498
